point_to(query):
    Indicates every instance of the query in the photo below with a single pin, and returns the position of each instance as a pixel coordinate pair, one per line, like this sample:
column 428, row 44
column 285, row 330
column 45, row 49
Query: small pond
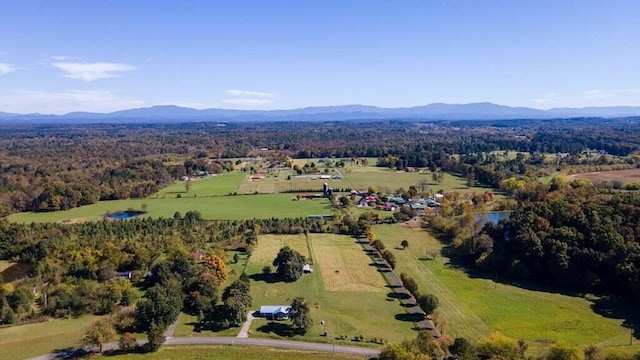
column 122, row 215
column 493, row 216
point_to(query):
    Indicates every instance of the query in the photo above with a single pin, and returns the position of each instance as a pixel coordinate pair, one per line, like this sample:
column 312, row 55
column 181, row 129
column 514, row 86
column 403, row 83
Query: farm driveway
column 244, row 332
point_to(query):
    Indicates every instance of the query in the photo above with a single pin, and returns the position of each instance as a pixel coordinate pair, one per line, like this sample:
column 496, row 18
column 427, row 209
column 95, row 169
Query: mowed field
column 4, row 264
column 221, row 207
column 27, row 341
column 281, row 180
column 353, row 301
column 212, row 185
column 474, row 307
column 353, row 176
column 625, row 176
column 234, row 352
column 343, row 266
column 388, row 180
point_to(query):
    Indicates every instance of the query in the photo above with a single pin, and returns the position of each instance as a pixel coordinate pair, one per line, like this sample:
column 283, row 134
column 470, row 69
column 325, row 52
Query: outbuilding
column 275, row 312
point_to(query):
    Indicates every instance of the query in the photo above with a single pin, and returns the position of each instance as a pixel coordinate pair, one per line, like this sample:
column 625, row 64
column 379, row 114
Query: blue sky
column 62, row 56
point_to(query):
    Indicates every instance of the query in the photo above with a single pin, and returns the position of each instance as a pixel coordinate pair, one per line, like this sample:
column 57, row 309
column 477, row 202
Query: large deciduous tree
column 289, row 264
column 300, row 315
column 237, row 300
column 98, row 334
column 428, row 303
column 217, row 267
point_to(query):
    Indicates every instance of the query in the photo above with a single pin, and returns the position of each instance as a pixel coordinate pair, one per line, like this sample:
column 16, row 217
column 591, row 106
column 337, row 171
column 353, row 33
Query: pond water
column 493, row 216
column 122, row 215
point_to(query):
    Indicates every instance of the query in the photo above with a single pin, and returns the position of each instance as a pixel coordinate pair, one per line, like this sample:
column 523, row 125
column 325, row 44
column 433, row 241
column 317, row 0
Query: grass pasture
column 388, row 180
column 229, row 352
column 213, row 208
column 30, row 340
column 344, row 267
column 475, row 306
column 624, row 176
column 213, row 185
column 271, row 244
column 355, row 307
column 4, row 264
column 281, row 180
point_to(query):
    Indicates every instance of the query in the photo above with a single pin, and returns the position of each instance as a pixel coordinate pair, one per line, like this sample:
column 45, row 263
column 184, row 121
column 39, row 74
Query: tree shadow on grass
column 467, row 266
column 408, row 305
column 619, row 308
column 268, row 278
column 278, row 328
column 398, row 295
column 72, row 353
column 208, row 326
column 417, row 317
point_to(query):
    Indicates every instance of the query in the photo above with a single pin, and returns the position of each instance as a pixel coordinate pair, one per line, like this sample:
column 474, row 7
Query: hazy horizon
column 71, row 56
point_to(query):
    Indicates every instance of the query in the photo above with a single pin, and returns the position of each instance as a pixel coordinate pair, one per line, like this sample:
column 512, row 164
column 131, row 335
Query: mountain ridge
column 433, row 111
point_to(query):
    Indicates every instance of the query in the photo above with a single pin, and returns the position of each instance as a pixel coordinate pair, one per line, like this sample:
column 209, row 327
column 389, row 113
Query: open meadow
column 623, row 176
column 475, row 306
column 193, row 352
column 4, row 264
column 388, row 180
column 212, row 185
column 284, row 179
column 211, row 208
column 344, row 291
column 353, row 176
column 29, row 340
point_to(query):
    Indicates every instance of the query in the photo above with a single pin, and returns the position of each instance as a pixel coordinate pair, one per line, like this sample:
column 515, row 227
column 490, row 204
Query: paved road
column 407, row 301
column 299, row 345
column 287, row 344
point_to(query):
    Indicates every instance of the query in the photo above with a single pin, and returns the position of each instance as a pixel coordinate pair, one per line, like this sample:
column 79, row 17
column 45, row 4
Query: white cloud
column 248, row 99
column 92, row 71
column 544, row 99
column 7, row 68
column 247, row 103
column 27, row 101
column 597, row 94
column 602, row 94
column 251, row 94
column 60, row 58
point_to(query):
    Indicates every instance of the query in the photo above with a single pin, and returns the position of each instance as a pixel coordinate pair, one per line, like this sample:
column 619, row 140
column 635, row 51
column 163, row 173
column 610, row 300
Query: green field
column 221, row 207
column 281, row 180
column 344, row 291
column 476, row 306
column 388, row 180
column 353, row 177
column 193, row 352
column 4, row 264
column 213, row 185
column 26, row 341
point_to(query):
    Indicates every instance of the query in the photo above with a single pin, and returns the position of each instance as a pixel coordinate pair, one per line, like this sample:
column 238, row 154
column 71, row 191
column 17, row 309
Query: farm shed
column 277, row 312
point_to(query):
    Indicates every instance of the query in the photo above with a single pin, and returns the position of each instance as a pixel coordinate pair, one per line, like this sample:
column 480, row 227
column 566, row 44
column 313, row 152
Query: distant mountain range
column 437, row 111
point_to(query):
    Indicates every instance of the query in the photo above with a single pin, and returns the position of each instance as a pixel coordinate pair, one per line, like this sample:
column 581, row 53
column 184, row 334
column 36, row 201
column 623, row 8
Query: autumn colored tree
column 127, row 342
column 217, row 267
column 98, row 334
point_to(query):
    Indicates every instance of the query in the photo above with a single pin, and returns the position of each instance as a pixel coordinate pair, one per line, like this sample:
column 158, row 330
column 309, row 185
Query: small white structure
column 307, row 269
